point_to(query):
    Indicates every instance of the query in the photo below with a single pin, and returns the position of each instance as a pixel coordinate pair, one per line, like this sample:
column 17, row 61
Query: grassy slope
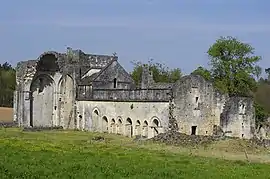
column 75, row 155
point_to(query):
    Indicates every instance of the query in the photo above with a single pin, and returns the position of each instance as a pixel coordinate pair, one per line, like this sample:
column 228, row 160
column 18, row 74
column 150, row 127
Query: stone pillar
column 147, row 78
column 15, row 106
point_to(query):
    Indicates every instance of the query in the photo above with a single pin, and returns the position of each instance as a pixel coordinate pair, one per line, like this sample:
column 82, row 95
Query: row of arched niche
column 127, row 127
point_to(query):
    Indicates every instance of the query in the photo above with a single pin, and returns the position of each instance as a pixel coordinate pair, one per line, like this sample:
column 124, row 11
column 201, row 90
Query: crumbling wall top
column 24, row 70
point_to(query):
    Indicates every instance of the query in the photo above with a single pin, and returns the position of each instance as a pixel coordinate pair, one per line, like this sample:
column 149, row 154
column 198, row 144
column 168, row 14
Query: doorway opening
column 193, row 130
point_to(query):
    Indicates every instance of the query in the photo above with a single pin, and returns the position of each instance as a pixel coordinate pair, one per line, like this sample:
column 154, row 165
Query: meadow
column 76, row 154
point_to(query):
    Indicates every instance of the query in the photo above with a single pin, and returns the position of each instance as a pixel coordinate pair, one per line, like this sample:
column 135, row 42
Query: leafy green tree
column 233, row 66
column 161, row 73
column 261, row 113
column 261, row 96
column 203, row 72
column 7, row 84
column 257, row 72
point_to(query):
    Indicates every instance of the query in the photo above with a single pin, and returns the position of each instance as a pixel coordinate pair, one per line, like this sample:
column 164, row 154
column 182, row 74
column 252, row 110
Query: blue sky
column 175, row 32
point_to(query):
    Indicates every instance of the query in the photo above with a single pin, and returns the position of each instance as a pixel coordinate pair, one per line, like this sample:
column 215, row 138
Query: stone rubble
column 180, row 139
column 8, row 124
column 176, row 138
column 98, row 138
column 34, row 129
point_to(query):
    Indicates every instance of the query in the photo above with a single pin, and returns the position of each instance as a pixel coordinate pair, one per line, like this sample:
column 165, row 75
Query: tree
column 7, row 84
column 233, row 66
column 161, row 73
column 257, row 72
column 267, row 71
column 202, row 72
column 261, row 113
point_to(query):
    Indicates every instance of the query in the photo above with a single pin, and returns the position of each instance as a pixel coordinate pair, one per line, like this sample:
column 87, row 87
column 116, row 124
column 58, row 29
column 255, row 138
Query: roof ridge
column 103, row 69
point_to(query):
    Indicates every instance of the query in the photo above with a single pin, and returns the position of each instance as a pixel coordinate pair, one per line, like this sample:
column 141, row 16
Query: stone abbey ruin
column 75, row 90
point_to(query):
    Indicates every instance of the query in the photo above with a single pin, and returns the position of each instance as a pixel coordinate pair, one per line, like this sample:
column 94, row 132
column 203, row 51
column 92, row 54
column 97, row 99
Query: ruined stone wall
column 57, row 74
column 40, row 104
column 200, row 108
column 238, row 117
column 38, row 90
column 126, row 118
column 25, row 71
column 195, row 106
column 109, row 102
column 263, row 129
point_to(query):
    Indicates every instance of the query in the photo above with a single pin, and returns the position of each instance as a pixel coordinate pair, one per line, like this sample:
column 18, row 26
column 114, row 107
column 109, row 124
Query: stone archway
column 138, row 128
column 155, row 125
column 119, row 126
column 95, row 120
column 113, row 126
column 42, row 101
column 105, row 124
column 145, row 129
column 129, row 128
column 66, row 116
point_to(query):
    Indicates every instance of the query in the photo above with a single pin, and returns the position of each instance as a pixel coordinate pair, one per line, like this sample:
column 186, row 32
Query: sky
column 177, row 33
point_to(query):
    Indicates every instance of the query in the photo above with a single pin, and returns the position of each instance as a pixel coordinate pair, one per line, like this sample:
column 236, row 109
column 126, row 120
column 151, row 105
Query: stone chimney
column 147, row 77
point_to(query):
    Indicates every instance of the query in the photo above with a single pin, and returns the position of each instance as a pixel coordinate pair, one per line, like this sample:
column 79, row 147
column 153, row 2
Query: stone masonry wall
column 125, row 95
column 238, row 117
column 126, row 118
column 195, row 106
column 109, row 101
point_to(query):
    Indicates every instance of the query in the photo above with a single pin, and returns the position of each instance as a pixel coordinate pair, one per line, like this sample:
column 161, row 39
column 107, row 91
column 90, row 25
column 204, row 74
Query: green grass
column 70, row 154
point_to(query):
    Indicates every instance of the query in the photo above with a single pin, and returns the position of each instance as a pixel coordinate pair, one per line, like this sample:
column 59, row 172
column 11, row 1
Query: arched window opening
column 129, row 122
column 145, row 129
column 120, row 121
column 105, row 124
column 95, row 120
column 145, row 123
column 129, row 128
column 155, row 123
column 138, row 128
column 113, row 126
column 119, row 129
column 105, row 119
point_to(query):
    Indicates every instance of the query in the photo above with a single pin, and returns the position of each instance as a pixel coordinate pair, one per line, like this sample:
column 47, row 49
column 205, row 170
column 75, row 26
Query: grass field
column 73, row 154
column 6, row 114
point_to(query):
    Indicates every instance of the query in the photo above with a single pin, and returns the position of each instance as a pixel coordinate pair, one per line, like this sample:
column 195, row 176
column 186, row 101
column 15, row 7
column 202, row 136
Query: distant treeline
column 7, row 84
